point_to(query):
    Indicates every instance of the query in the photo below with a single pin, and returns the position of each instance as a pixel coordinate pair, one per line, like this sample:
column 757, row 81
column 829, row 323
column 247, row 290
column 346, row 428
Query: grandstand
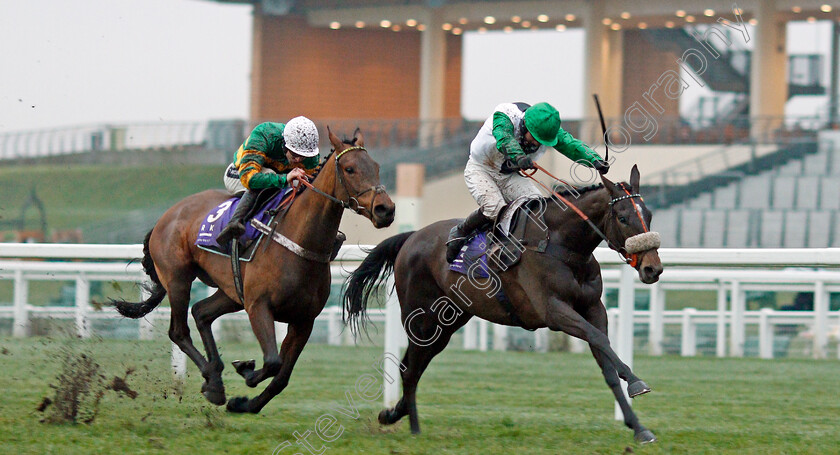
column 792, row 205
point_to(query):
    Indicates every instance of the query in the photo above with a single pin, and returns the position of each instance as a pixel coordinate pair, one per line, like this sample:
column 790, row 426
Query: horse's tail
column 367, row 278
column 136, row 310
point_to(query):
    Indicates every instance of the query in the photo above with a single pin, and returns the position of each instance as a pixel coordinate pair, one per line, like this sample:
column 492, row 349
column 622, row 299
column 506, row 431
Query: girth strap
column 289, row 244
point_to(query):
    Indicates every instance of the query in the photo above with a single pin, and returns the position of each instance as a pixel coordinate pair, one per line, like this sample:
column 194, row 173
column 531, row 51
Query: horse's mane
column 581, row 191
column 566, row 191
column 351, row 142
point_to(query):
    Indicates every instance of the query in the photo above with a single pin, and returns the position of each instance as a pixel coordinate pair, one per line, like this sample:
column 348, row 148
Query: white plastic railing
column 730, row 272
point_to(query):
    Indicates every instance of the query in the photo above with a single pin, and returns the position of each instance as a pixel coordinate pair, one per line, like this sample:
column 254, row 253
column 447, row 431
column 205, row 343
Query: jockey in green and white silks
column 273, row 156
column 513, row 138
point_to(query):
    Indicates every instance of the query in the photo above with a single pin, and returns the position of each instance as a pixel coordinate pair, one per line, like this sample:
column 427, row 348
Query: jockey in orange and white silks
column 513, row 138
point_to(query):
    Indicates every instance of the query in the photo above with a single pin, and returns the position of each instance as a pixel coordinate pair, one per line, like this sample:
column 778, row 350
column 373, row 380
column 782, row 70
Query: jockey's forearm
column 255, row 180
column 575, row 149
column 506, row 142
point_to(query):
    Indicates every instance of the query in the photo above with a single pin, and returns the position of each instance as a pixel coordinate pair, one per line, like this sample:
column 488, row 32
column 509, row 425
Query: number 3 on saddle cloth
column 218, row 218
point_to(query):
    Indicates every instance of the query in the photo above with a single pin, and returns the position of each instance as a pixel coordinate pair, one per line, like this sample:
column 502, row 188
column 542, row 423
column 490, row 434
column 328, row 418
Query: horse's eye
column 622, row 220
column 348, row 170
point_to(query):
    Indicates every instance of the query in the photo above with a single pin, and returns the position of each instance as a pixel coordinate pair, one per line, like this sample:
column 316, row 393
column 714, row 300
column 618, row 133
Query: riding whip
column 603, row 128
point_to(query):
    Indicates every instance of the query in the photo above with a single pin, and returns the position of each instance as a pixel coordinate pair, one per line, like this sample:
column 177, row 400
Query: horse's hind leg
column 179, row 332
column 262, row 322
column 427, row 338
column 292, row 346
column 597, row 316
column 204, row 313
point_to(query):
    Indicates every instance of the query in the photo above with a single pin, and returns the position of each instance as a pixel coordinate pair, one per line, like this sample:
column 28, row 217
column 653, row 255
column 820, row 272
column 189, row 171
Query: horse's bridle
column 631, row 258
column 352, row 202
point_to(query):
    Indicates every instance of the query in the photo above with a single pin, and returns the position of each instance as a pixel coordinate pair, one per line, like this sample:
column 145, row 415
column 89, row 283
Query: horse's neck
column 570, row 230
column 312, row 221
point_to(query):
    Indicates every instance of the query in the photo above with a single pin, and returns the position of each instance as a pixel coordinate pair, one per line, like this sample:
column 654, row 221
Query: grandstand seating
column 794, row 205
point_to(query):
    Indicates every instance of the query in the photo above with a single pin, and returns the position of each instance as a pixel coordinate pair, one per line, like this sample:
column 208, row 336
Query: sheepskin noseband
column 642, row 242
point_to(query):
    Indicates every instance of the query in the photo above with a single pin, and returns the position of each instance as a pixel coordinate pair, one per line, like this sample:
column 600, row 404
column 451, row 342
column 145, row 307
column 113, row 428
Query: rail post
column 394, row 337
column 655, row 331
column 21, row 311
column 82, row 306
column 689, row 333
column 470, row 343
column 720, row 344
column 737, row 321
column 500, row 338
column 821, row 298
column 626, row 308
column 333, row 327
column 765, row 334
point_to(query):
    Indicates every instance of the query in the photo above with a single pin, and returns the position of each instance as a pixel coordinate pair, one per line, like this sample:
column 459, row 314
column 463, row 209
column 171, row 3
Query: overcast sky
column 97, row 61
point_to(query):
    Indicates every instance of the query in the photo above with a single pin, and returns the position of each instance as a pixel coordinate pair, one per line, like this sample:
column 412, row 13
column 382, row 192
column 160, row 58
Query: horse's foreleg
column 204, row 313
column 262, row 323
column 597, row 316
column 292, row 346
column 561, row 316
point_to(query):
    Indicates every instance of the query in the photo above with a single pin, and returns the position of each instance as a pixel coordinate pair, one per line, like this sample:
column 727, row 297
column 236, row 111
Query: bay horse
column 279, row 285
column 558, row 287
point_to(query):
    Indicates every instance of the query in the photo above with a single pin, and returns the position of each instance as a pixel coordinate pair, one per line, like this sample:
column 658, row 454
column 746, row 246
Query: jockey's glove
column 525, row 162
column 601, row 166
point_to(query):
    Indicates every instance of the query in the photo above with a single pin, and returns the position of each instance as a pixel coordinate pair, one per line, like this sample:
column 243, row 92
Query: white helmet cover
column 301, row 136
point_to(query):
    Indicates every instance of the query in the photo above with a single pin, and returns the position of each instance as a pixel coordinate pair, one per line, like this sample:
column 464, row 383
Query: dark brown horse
column 558, row 287
column 279, row 285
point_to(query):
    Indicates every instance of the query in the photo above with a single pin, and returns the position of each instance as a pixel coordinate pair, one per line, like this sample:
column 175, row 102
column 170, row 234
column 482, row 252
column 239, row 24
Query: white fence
column 682, row 273
column 731, row 273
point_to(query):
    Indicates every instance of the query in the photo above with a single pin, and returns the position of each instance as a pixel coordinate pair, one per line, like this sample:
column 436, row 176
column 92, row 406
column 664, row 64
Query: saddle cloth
column 219, row 217
column 511, row 225
column 474, row 251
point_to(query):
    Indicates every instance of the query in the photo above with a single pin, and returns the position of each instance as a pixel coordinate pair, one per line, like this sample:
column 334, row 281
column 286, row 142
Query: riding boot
column 459, row 234
column 236, row 226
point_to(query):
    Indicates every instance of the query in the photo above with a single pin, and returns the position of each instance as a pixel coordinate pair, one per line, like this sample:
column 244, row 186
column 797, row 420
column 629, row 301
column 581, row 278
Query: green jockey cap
column 543, row 121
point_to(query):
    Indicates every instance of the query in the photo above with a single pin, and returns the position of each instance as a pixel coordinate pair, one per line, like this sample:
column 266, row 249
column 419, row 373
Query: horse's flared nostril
column 383, row 211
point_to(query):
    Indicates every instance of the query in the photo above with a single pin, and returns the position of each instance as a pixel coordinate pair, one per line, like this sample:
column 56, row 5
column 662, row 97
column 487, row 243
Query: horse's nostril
column 383, row 211
column 648, row 270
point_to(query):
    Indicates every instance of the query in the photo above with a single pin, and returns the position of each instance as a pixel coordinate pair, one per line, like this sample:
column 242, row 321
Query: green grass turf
column 469, row 403
column 81, row 195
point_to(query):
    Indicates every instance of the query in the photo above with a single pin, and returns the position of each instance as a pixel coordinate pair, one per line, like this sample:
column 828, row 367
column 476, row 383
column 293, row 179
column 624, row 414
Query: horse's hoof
column 243, row 366
column 217, row 398
column 238, row 404
column 215, row 395
column 637, row 388
column 386, row 417
column 645, row 437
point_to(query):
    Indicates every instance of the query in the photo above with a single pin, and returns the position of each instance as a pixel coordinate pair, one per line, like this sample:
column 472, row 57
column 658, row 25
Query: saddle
column 500, row 247
column 266, row 210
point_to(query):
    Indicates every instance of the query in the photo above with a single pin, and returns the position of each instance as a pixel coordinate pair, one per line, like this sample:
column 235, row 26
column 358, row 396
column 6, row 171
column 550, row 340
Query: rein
column 630, row 258
column 353, row 203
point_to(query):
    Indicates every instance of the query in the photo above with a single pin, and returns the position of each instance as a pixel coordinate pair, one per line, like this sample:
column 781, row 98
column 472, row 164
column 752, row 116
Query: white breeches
column 494, row 190
column 232, row 182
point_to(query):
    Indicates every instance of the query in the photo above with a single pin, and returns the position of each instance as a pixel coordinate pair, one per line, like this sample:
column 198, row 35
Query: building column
column 432, row 74
column 603, row 69
column 596, row 55
column 768, row 72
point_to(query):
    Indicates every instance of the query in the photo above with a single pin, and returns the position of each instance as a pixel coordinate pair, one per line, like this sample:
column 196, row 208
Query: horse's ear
column 334, row 140
column 360, row 140
column 609, row 185
column 634, row 178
